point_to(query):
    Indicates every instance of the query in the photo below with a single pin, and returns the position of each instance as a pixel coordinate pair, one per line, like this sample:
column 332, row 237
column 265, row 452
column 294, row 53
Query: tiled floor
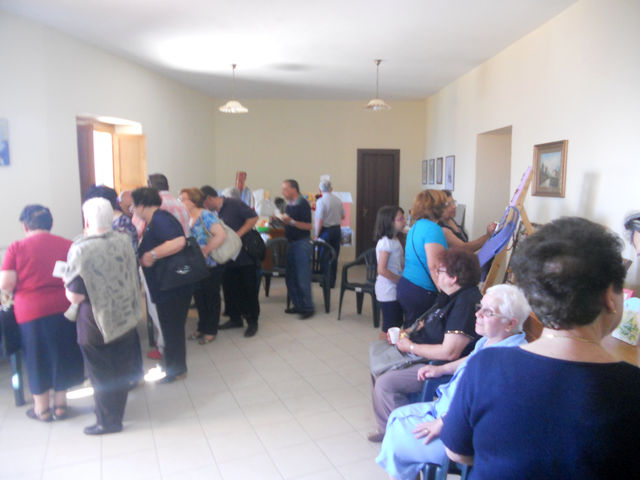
column 291, row 403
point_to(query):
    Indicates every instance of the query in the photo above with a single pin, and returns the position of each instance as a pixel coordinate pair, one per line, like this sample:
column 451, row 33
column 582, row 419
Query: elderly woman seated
column 102, row 279
column 446, row 332
column 561, row 406
column 412, row 436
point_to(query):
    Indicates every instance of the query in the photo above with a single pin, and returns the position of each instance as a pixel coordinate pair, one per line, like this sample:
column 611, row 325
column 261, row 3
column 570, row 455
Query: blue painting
column 4, row 141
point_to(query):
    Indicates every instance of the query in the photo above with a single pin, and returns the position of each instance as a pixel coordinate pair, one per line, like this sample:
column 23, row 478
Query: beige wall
column 306, row 139
column 575, row 78
column 47, row 79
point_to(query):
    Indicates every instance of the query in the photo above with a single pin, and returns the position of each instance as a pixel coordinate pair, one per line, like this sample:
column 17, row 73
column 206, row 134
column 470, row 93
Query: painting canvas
column 439, row 170
column 449, row 172
column 424, row 172
column 550, row 166
column 4, row 142
column 432, row 171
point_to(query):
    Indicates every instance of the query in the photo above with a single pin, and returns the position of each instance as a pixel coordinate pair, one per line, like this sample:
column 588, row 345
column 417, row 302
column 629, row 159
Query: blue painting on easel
column 4, row 141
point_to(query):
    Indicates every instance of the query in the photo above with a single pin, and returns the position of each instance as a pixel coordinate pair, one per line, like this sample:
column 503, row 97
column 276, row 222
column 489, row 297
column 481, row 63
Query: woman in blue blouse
column 425, row 243
column 208, row 231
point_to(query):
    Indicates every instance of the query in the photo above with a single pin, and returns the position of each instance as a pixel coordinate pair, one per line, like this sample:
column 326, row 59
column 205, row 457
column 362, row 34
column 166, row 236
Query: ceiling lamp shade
column 233, row 106
column 377, row 103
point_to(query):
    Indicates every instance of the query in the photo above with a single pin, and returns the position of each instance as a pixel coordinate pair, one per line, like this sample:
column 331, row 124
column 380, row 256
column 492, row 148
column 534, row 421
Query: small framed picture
column 4, row 142
column 424, row 172
column 550, row 169
column 449, row 172
column 432, row 171
column 439, row 171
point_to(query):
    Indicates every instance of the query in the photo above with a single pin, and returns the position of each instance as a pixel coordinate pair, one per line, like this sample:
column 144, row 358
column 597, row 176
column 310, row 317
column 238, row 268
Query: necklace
column 571, row 337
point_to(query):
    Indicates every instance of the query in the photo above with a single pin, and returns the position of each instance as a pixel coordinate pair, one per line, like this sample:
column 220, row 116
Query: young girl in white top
column 389, row 222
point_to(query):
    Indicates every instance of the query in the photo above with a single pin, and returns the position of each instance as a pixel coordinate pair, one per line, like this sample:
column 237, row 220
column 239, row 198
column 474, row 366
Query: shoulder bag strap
column 413, row 244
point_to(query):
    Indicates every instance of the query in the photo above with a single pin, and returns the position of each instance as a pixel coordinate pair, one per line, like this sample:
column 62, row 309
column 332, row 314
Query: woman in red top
column 52, row 356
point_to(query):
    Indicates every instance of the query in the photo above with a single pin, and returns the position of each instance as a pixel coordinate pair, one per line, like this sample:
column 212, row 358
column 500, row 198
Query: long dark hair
column 384, row 222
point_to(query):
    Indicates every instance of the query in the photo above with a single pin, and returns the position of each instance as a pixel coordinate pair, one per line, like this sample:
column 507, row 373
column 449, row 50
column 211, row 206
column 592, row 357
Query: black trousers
column 172, row 313
column 111, row 368
column 241, row 285
column 333, row 236
column 207, row 297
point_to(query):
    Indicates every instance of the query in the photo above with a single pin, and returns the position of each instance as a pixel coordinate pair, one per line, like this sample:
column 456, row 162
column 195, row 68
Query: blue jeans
column 298, row 276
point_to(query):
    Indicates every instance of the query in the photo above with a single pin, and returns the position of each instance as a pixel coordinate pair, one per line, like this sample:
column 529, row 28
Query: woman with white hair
column 412, row 437
column 102, row 279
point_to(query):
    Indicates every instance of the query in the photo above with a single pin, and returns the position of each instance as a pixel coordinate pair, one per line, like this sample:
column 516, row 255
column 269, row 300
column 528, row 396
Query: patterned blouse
column 197, row 229
column 123, row 224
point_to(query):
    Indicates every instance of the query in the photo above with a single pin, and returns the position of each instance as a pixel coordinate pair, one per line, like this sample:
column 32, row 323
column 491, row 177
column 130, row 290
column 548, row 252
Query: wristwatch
column 411, row 347
column 153, row 254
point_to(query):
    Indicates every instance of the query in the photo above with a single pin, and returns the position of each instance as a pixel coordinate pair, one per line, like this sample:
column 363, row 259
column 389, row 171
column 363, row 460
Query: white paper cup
column 394, row 334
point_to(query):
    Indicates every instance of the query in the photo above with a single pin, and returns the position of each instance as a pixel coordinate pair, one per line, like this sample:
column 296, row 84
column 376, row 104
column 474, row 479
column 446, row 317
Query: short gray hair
column 325, row 186
column 98, row 213
column 511, row 303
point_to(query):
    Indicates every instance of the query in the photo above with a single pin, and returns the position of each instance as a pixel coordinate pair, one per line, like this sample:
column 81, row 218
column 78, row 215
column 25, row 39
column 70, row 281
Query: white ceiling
column 300, row 49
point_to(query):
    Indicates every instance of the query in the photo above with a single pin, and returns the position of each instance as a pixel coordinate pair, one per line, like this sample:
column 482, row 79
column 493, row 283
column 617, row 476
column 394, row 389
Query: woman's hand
column 491, row 228
column 147, row 260
column 404, row 344
column 429, row 430
column 429, row 371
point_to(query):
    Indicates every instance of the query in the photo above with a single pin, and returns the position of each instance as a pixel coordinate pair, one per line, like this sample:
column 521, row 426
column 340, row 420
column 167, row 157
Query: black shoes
column 305, row 315
column 292, row 310
column 230, row 324
column 101, row 429
column 172, row 378
column 251, row 330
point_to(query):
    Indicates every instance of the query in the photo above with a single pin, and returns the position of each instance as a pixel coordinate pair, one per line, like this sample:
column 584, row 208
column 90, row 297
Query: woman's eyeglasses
column 486, row 311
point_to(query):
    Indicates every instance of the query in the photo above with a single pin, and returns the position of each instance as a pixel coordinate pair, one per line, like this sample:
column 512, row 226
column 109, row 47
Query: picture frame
column 5, row 158
column 432, row 171
column 550, row 169
column 439, row 166
column 449, row 172
column 424, row 172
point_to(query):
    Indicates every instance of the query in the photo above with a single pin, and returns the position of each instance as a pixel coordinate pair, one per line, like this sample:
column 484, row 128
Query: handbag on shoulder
column 183, row 268
column 253, row 244
column 230, row 248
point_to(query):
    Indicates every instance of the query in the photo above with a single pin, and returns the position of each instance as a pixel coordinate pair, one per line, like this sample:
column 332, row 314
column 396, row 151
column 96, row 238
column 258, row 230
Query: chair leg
column 376, row 311
column 267, row 285
column 359, row 298
column 17, row 379
column 326, row 290
column 342, row 290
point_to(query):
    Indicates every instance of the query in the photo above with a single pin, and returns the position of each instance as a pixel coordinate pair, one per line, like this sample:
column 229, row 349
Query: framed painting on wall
column 424, row 172
column 439, row 171
column 432, row 171
column 550, row 169
column 449, row 172
column 4, row 142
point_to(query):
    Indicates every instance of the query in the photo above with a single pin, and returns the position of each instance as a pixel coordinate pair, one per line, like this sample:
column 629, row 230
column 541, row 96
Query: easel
column 517, row 201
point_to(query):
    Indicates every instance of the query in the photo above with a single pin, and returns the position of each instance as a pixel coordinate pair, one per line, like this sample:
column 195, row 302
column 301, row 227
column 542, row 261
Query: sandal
column 60, row 416
column 195, row 336
column 206, row 339
column 44, row 416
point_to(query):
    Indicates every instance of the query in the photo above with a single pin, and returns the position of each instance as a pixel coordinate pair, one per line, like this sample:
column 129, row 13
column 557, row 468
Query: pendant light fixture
column 233, row 106
column 377, row 103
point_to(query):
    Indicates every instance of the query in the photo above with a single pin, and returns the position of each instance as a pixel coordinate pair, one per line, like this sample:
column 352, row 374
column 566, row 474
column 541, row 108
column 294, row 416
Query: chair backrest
column 371, row 262
column 278, row 248
column 323, row 254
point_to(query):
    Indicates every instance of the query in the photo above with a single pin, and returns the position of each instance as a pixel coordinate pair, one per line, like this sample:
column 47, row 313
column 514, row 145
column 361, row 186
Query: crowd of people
column 560, row 406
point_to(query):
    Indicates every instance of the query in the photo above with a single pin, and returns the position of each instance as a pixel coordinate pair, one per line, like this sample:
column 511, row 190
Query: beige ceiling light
column 233, row 106
column 377, row 103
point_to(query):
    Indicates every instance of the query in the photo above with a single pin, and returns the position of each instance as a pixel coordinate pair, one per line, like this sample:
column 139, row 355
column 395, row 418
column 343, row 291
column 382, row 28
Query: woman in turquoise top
column 204, row 226
column 416, row 290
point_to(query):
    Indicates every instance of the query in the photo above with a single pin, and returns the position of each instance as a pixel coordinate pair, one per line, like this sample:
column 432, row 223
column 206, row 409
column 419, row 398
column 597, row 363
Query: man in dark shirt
column 240, row 280
column 297, row 222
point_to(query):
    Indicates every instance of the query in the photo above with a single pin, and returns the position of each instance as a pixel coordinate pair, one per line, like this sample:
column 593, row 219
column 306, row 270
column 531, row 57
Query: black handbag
column 254, row 246
column 10, row 338
column 183, row 268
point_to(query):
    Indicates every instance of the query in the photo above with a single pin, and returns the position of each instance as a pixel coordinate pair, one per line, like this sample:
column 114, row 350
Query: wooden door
column 378, row 185
column 129, row 162
column 85, row 159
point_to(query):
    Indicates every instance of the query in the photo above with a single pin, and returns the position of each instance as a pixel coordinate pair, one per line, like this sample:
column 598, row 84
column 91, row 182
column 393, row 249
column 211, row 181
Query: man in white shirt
column 329, row 214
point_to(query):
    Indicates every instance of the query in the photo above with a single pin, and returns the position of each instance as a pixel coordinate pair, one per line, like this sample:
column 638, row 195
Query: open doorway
column 111, row 152
column 493, row 177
